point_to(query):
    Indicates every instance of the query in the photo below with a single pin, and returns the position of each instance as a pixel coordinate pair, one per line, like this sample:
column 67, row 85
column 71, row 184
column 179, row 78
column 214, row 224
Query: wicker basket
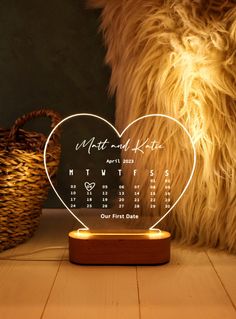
column 23, row 181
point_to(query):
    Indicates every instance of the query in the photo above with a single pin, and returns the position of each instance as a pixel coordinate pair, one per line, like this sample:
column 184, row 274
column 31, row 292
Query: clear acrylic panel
column 130, row 180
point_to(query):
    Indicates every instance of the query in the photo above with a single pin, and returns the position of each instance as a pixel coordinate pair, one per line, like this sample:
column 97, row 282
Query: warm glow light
column 80, row 234
column 157, row 234
column 151, row 234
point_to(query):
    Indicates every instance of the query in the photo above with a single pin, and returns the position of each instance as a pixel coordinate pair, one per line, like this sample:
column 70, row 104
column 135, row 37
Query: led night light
column 96, row 156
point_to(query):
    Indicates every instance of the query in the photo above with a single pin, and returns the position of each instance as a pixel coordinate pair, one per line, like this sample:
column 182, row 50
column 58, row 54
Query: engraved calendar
column 128, row 179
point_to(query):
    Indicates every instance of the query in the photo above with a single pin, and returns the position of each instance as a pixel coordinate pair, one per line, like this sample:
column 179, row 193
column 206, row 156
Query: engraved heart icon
column 140, row 173
column 89, row 186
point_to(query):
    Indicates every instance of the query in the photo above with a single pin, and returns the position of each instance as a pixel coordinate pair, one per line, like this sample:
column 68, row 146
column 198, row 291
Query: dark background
column 51, row 55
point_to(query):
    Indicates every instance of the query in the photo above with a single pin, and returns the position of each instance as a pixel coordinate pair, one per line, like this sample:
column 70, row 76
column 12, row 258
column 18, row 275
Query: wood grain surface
column 195, row 284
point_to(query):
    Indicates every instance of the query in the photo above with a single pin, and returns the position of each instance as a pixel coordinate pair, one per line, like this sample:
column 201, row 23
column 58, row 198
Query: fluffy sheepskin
column 178, row 58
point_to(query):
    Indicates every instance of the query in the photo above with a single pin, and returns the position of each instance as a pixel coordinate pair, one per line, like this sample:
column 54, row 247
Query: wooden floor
column 195, row 284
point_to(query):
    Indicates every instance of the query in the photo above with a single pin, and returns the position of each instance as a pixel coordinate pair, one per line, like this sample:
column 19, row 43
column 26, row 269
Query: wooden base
column 136, row 248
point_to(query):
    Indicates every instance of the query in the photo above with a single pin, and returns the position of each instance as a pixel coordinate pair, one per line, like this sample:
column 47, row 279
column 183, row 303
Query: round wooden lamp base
column 123, row 248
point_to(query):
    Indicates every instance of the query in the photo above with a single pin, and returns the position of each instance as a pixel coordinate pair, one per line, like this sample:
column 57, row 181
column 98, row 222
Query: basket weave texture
column 23, row 181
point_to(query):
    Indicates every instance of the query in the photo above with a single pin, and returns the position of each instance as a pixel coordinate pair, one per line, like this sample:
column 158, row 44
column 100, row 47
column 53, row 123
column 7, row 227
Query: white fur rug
column 178, row 58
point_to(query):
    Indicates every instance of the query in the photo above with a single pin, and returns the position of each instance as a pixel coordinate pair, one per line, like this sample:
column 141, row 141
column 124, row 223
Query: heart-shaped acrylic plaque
column 122, row 180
